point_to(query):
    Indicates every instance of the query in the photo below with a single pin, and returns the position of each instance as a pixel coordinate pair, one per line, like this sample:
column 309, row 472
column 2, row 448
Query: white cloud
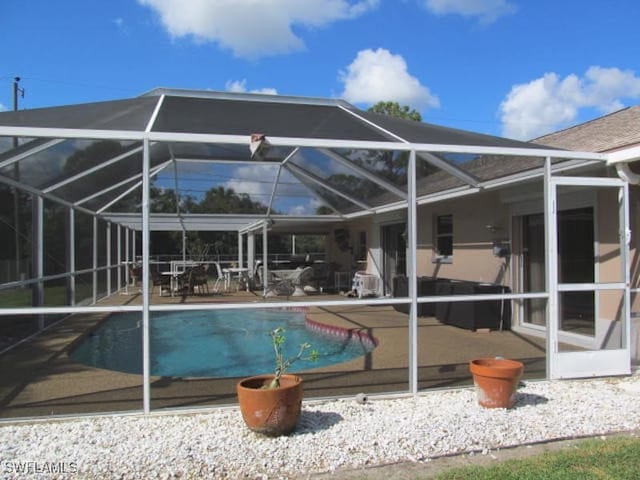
column 300, row 210
column 550, row 103
column 254, row 180
column 240, row 86
column 487, row 11
column 606, row 86
column 257, row 182
column 379, row 75
column 3, row 108
column 253, row 28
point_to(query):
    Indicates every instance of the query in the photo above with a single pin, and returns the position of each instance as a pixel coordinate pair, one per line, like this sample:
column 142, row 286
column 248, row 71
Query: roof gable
column 608, row 133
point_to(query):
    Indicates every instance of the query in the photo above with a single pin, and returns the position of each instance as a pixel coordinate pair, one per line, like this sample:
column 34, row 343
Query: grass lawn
column 16, row 327
column 612, row 459
column 54, row 296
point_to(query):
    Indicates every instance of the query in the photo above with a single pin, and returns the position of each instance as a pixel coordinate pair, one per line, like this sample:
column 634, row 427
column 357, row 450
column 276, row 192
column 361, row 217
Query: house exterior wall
column 344, row 249
column 610, row 304
column 608, row 260
column 473, row 257
column 634, row 246
column 473, row 253
column 634, row 270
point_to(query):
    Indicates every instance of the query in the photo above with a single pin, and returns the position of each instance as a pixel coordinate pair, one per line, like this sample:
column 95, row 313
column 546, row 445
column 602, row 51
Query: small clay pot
column 270, row 411
column 496, row 381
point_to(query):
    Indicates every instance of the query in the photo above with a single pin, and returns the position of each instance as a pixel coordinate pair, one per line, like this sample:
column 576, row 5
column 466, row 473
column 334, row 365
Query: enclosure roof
column 197, row 112
column 323, row 159
column 129, row 114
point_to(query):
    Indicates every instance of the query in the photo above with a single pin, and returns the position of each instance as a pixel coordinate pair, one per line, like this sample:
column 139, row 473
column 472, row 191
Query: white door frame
column 586, row 363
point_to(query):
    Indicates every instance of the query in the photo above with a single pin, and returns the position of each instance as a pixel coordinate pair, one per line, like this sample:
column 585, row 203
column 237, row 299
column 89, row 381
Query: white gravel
column 332, row 435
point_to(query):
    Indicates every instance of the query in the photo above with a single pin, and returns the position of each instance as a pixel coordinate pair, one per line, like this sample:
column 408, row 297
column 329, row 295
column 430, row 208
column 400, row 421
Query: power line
column 76, row 84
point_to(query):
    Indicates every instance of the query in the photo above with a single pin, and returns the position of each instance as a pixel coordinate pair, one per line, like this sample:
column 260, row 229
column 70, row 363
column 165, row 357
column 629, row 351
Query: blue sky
column 517, row 68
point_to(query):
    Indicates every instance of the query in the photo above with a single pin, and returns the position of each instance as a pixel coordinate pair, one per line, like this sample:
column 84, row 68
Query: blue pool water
column 230, row 343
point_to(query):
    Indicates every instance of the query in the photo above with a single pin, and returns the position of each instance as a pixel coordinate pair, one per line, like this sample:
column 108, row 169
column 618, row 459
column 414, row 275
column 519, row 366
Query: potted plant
column 496, row 380
column 271, row 404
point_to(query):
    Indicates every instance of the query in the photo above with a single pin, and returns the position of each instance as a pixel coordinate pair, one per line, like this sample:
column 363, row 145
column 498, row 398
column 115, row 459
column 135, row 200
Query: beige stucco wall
column 634, row 246
column 608, row 260
column 345, row 259
column 473, row 257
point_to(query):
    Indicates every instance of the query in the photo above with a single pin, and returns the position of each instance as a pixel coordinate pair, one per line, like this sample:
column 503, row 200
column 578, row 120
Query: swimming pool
column 214, row 343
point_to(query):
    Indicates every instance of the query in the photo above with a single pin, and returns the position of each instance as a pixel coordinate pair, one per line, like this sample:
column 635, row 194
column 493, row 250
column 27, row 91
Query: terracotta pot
column 273, row 411
column 496, row 381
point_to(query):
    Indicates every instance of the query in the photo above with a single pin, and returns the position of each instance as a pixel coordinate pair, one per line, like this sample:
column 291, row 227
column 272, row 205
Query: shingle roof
column 608, row 133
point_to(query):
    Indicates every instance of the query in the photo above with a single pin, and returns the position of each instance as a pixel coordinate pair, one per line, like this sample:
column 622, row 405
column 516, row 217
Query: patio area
column 41, row 379
column 410, row 213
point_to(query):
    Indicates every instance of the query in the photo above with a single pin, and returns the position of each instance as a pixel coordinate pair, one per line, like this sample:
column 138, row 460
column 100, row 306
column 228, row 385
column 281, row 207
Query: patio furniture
column 199, row 279
column 320, row 277
column 182, row 265
column 474, row 314
column 303, row 277
column 193, row 279
column 241, row 274
column 135, row 274
column 470, row 315
column 426, row 287
column 342, row 281
column 365, row 284
column 288, row 282
column 163, row 282
column 220, row 278
column 174, row 279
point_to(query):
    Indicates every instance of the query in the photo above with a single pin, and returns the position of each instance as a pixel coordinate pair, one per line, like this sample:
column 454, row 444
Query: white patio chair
column 291, row 285
column 199, row 279
column 220, row 278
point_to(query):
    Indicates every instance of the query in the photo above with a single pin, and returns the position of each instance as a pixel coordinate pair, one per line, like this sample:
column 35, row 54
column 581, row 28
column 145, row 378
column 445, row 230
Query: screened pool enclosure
column 433, row 245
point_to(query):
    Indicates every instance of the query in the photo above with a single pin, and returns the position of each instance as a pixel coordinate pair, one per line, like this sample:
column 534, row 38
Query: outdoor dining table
column 242, row 274
column 173, row 285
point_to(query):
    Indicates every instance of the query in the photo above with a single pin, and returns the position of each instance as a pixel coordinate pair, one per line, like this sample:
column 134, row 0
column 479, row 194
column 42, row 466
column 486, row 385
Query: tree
column 392, row 166
column 394, row 109
column 216, row 200
column 324, row 210
column 224, row 200
column 395, row 165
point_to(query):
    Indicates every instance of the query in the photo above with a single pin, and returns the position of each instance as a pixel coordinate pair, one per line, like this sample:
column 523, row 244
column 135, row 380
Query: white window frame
column 437, row 235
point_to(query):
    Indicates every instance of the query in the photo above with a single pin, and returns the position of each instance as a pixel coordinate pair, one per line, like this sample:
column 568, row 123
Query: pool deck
column 38, row 378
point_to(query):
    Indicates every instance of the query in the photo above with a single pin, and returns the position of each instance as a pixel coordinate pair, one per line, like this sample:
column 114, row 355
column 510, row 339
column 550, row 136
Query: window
column 361, row 252
column 443, row 238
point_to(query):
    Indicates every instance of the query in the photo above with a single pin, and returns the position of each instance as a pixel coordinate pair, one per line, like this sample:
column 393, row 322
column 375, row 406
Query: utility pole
column 17, row 91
